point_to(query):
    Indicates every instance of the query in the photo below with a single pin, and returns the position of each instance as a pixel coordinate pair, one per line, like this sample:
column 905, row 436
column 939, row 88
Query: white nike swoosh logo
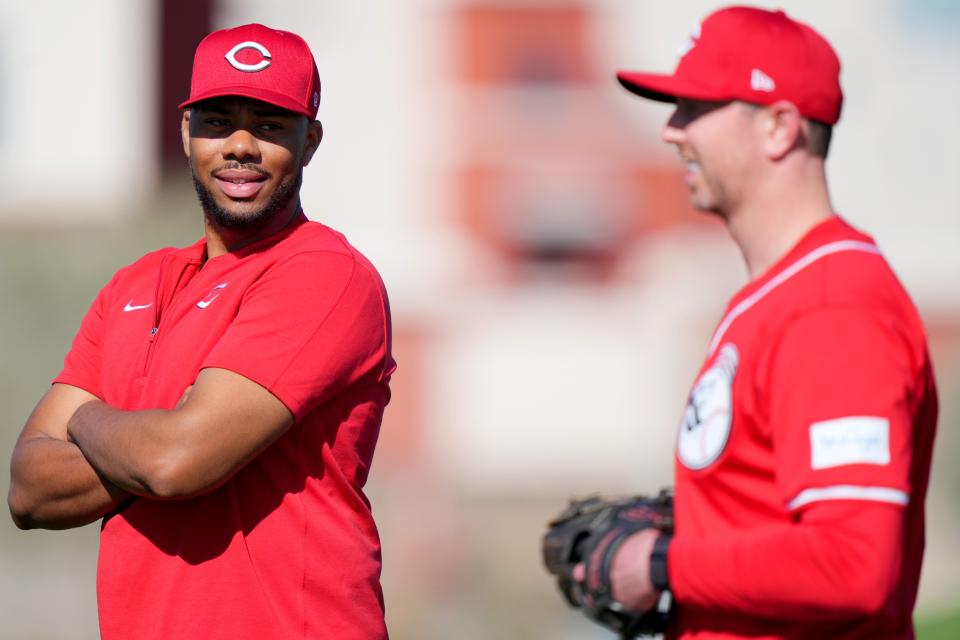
column 133, row 307
column 203, row 304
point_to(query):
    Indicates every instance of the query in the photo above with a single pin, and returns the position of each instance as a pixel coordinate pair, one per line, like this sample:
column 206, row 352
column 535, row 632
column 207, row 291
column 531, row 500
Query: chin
column 239, row 220
column 245, row 215
column 700, row 204
column 241, row 209
column 710, row 208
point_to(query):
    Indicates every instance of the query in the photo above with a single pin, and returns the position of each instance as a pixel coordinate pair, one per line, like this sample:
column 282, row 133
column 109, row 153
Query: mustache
column 243, row 166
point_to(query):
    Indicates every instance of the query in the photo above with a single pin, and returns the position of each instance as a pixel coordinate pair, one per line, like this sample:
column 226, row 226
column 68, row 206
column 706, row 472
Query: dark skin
column 77, row 458
column 228, row 139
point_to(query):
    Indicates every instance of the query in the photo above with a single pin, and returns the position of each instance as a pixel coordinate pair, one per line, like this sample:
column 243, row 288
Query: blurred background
column 553, row 292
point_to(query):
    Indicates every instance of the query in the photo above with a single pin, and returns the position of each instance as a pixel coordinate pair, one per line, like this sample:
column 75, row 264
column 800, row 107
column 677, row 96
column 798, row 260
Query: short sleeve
column 841, row 383
column 81, row 367
column 309, row 328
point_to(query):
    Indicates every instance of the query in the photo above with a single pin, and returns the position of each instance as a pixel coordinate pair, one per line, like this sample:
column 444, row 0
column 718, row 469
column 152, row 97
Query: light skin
column 751, row 166
column 77, row 458
column 630, row 572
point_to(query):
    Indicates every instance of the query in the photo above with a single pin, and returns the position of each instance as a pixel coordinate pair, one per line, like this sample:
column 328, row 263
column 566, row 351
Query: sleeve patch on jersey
column 850, row 440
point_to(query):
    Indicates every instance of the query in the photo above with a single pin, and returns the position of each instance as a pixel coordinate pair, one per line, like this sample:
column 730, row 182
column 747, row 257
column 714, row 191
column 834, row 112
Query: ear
column 781, row 129
column 314, row 136
column 185, row 132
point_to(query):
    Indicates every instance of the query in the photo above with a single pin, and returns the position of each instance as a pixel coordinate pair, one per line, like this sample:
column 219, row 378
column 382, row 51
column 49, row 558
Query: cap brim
column 664, row 88
column 255, row 93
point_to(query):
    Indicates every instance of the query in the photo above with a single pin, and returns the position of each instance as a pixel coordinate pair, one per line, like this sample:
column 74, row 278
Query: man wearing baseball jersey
column 803, row 456
column 220, row 405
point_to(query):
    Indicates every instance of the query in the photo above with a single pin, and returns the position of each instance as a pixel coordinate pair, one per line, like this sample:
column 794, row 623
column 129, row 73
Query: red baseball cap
column 256, row 62
column 753, row 55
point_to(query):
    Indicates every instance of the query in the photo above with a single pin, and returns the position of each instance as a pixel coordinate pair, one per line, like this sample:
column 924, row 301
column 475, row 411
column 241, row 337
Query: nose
column 671, row 135
column 242, row 146
column 673, row 131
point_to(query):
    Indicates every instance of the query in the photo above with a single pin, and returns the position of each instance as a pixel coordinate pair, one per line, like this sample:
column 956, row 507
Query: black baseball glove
column 590, row 531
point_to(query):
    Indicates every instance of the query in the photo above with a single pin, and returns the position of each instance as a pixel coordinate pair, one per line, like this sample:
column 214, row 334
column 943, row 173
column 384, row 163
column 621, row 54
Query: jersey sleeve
column 309, row 328
column 842, row 385
column 81, row 366
column 840, row 390
column 841, row 561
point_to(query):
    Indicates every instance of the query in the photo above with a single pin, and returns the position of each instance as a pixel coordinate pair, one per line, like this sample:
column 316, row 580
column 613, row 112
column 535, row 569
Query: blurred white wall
column 76, row 108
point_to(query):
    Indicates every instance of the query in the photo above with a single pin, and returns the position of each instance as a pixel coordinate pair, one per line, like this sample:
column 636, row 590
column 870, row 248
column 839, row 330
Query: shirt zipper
column 160, row 304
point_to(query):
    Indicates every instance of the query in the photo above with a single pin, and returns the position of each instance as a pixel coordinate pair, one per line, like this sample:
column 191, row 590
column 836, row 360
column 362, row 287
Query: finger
column 579, row 572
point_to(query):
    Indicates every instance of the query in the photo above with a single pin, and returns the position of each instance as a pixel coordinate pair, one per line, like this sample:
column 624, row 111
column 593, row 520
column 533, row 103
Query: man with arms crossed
column 220, row 405
column 804, row 453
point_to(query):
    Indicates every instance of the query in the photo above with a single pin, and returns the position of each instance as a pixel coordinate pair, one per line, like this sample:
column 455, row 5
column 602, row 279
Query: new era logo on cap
column 759, row 81
column 254, row 61
column 753, row 55
column 691, row 41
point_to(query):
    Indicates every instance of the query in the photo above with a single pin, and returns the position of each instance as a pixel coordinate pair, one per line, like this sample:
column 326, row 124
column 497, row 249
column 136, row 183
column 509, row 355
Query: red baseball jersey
column 287, row 548
column 804, row 453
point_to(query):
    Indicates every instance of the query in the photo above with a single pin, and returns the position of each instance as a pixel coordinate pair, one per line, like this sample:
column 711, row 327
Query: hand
column 630, row 572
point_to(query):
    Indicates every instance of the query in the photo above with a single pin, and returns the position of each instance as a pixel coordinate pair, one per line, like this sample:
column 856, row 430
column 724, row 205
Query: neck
column 783, row 208
column 222, row 240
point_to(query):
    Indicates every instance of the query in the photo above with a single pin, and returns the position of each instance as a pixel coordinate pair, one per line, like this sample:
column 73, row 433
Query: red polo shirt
column 287, row 548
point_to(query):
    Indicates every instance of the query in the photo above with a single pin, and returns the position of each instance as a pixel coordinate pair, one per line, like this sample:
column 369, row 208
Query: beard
column 224, row 219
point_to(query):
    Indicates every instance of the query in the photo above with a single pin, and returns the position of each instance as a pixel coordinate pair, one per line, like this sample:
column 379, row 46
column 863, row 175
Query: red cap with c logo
column 256, row 62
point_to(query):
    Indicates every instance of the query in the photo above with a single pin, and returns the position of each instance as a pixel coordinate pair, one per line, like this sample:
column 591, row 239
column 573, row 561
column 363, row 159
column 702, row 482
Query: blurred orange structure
column 545, row 177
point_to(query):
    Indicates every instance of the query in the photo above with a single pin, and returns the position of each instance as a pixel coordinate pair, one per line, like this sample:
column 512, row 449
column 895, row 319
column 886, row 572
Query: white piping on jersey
column 850, row 492
column 783, row 276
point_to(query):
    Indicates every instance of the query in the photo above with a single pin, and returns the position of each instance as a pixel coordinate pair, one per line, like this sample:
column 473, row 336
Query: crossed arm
column 78, row 458
column 52, row 485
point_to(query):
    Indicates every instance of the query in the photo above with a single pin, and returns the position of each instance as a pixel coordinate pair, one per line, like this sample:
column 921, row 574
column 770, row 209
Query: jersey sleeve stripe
column 849, row 492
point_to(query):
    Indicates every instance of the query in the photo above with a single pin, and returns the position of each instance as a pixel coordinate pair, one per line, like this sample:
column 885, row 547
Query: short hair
column 820, row 135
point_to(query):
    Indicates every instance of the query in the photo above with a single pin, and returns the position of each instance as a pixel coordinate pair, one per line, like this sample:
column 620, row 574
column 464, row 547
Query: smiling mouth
column 692, row 169
column 240, row 184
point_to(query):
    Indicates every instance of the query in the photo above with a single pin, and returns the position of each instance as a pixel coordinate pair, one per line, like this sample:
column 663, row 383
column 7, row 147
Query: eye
column 216, row 122
column 269, row 126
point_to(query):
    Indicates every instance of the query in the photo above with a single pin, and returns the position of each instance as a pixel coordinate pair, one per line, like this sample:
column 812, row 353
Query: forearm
column 131, row 449
column 52, row 486
column 840, row 562
column 215, row 429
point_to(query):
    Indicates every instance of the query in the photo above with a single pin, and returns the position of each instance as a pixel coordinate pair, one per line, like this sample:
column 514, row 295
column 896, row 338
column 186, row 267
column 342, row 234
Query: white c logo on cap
column 249, row 68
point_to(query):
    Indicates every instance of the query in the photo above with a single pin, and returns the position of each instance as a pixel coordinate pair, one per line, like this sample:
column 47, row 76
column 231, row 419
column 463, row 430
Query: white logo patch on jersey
column 849, row 440
column 709, row 415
